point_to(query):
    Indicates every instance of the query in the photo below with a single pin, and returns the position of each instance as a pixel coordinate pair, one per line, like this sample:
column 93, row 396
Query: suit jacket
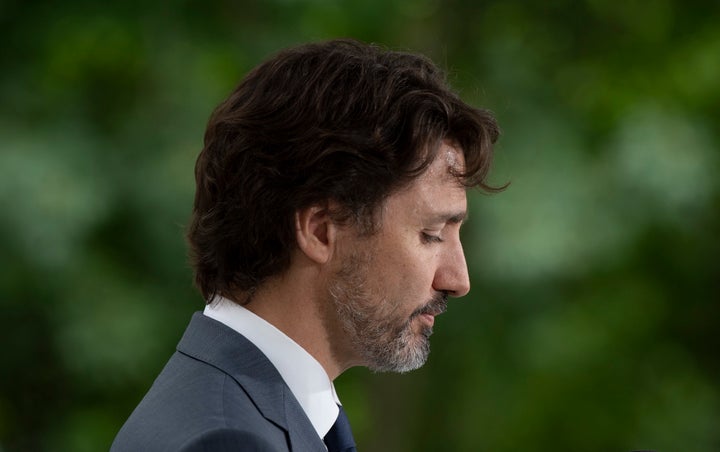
column 218, row 392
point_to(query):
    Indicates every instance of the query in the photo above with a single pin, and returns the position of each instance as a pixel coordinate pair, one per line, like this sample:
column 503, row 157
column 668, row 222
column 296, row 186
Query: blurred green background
column 592, row 323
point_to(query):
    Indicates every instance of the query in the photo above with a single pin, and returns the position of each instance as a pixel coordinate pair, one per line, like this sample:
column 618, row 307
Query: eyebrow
column 450, row 218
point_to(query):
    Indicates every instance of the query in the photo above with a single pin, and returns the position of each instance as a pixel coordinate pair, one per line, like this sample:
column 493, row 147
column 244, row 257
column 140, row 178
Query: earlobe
column 315, row 232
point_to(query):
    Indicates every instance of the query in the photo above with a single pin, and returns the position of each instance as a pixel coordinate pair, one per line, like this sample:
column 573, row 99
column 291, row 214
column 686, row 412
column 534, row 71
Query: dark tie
column 340, row 438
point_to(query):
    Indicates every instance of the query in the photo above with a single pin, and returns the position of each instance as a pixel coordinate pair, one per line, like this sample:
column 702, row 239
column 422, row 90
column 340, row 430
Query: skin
column 351, row 300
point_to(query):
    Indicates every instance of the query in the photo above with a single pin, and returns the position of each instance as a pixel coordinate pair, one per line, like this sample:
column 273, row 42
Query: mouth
column 435, row 307
column 427, row 319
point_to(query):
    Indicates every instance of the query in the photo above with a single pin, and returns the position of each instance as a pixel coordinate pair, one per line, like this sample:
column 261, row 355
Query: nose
column 452, row 276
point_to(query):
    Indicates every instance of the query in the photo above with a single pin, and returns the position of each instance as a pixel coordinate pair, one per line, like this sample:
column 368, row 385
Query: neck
column 302, row 312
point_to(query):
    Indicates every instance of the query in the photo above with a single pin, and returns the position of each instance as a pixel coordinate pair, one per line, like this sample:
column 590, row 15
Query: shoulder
column 216, row 440
column 195, row 406
column 227, row 439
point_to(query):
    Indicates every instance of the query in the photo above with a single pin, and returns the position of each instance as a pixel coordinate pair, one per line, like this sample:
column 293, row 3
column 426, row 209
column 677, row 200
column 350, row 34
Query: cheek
column 399, row 265
column 404, row 267
column 408, row 278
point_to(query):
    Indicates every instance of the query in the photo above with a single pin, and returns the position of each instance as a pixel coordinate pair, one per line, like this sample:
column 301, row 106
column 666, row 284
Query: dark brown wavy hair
column 337, row 120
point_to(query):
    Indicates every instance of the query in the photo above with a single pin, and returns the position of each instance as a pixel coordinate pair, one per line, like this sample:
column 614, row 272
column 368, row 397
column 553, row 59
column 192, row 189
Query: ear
column 315, row 232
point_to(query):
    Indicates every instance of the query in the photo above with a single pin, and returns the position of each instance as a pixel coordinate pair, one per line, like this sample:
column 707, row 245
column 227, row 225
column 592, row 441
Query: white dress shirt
column 305, row 377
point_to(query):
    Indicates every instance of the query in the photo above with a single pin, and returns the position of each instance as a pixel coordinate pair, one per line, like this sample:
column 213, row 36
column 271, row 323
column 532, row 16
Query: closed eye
column 429, row 238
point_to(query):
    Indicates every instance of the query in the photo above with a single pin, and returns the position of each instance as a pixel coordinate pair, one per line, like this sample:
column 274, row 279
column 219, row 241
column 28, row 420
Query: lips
column 428, row 319
column 437, row 306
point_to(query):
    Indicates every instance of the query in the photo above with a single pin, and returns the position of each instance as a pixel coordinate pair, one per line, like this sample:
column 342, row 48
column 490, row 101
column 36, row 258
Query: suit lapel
column 302, row 438
column 220, row 346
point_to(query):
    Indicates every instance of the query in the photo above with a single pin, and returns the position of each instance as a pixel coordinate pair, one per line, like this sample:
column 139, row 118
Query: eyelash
column 429, row 238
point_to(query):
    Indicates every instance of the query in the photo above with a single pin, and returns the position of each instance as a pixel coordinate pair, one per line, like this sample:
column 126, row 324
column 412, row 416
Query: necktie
column 340, row 438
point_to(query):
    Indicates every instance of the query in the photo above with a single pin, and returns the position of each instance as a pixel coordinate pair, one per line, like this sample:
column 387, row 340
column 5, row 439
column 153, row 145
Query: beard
column 383, row 338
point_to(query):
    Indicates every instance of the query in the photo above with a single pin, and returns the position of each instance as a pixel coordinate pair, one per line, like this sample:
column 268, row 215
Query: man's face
column 389, row 287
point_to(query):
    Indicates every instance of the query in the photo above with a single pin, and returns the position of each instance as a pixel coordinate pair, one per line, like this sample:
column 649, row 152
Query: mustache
column 436, row 306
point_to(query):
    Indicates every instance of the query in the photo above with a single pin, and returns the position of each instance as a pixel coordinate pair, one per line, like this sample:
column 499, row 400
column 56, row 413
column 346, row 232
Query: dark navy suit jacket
column 218, row 392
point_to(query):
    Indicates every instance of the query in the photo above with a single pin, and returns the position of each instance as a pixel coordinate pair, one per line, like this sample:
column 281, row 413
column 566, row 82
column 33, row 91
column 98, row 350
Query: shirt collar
column 303, row 374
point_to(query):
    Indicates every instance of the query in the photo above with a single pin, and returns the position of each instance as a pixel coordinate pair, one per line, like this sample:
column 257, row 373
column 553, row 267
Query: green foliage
column 592, row 320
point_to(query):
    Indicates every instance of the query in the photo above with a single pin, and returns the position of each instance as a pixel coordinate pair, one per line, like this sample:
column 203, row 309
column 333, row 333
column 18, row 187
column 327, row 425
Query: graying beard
column 380, row 351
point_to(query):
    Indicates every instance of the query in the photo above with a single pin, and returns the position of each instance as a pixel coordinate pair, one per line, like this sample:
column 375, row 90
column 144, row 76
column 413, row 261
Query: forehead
column 437, row 189
column 448, row 161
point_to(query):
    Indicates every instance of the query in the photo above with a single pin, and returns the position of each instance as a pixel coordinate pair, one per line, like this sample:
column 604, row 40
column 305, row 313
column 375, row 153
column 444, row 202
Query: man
column 325, row 235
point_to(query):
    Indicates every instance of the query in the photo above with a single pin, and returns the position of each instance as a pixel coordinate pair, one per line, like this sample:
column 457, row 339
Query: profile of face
column 389, row 287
